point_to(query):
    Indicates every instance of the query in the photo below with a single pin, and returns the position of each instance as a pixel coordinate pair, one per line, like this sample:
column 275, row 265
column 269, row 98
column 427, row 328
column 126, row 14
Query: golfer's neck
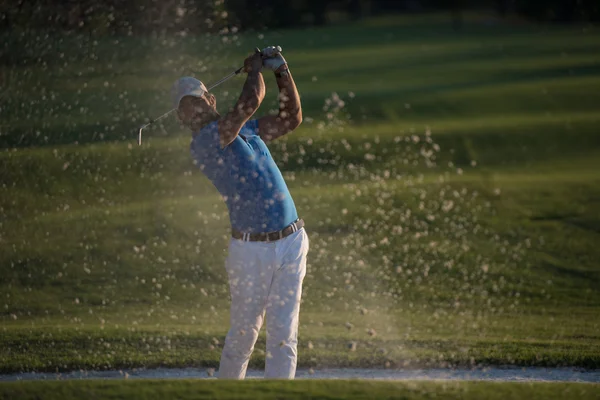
column 196, row 127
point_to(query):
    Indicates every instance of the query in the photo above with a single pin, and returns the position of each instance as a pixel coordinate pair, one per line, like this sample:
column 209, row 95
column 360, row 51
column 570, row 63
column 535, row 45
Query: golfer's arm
column 290, row 111
column 252, row 95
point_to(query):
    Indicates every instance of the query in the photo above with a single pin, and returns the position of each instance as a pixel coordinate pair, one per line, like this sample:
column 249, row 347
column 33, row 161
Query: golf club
column 217, row 83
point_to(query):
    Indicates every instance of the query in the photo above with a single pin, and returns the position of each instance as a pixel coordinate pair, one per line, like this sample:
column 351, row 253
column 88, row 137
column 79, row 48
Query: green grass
column 194, row 389
column 452, row 204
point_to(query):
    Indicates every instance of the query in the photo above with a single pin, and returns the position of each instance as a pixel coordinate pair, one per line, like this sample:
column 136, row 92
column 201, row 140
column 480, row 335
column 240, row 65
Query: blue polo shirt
column 248, row 179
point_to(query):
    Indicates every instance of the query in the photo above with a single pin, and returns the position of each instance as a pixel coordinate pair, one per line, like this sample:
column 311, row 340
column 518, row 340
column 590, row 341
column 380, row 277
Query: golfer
column 266, row 261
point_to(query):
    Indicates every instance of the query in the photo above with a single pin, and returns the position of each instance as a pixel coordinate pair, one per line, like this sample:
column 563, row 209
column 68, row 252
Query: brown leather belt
column 269, row 236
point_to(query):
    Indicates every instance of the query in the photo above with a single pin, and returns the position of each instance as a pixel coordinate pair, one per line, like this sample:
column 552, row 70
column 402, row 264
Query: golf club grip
column 237, row 71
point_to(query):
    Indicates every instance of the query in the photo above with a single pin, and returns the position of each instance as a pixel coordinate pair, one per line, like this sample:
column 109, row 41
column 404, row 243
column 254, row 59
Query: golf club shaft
column 217, row 83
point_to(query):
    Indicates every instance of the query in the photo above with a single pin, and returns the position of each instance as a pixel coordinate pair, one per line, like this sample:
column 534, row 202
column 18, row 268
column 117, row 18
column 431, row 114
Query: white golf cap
column 186, row 86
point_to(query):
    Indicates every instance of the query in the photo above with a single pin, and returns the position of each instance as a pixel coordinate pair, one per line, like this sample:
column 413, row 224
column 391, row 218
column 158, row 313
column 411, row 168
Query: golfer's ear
column 212, row 100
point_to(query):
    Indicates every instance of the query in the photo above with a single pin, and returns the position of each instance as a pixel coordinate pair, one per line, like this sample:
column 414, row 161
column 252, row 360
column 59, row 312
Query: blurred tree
column 358, row 8
column 258, row 14
column 317, row 9
column 504, row 7
column 456, row 7
column 114, row 16
column 5, row 12
column 385, row 6
column 98, row 17
column 563, row 11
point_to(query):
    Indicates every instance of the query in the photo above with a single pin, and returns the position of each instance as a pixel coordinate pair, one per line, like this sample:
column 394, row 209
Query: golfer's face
column 191, row 109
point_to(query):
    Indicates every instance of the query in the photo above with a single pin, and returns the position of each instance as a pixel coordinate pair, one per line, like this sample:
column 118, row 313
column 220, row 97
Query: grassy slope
column 475, row 244
column 189, row 389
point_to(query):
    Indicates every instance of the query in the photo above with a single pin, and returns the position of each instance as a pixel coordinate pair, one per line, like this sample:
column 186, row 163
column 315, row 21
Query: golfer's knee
column 283, row 337
column 283, row 349
column 240, row 342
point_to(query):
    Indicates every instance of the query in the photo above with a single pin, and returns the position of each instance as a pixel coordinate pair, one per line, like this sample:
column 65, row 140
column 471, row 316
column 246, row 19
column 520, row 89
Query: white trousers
column 264, row 278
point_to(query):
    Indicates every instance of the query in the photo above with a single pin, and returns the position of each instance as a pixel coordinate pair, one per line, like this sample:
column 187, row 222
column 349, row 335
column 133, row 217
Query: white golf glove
column 272, row 58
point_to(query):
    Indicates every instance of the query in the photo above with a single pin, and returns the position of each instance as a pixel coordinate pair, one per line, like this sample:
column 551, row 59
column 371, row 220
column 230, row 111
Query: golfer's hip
column 269, row 236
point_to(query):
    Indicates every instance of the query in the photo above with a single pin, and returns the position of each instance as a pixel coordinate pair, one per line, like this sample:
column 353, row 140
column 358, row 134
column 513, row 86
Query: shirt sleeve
column 250, row 128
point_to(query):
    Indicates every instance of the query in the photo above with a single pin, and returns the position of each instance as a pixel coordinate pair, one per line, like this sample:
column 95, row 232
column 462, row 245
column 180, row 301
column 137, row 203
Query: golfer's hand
column 272, row 58
column 270, row 51
column 253, row 63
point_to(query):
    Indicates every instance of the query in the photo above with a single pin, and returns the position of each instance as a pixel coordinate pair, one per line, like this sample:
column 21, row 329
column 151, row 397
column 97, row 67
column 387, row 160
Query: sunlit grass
column 451, row 202
column 339, row 389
